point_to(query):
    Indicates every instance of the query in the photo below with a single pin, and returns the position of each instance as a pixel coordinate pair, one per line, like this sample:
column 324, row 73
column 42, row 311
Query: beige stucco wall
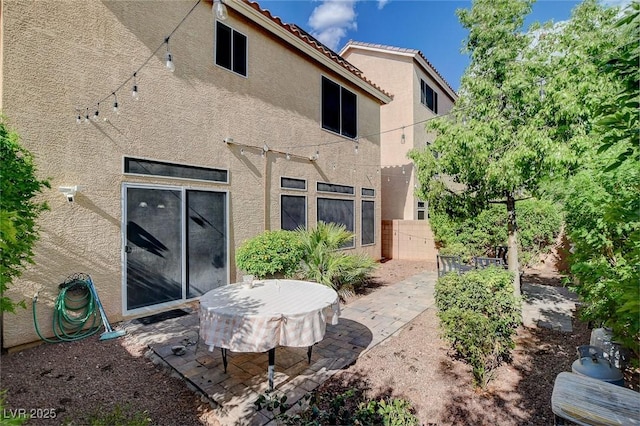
column 400, row 74
column 58, row 56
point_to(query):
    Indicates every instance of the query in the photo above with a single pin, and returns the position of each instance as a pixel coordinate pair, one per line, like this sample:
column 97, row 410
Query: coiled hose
column 75, row 315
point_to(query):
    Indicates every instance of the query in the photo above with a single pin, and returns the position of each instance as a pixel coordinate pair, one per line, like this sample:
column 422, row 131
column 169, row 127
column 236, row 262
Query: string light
column 168, row 58
column 288, row 156
column 79, row 119
column 97, row 113
column 115, row 103
column 220, row 10
column 402, row 138
column 134, row 90
column 86, row 116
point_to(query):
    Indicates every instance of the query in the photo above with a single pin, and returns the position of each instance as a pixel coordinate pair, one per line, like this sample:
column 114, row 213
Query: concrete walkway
column 364, row 323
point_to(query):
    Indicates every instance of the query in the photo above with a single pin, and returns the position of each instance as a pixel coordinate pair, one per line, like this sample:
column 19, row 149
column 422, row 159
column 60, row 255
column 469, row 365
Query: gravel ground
column 81, row 379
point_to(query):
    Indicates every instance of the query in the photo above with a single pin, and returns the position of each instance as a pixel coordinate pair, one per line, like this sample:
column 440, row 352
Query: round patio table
column 272, row 313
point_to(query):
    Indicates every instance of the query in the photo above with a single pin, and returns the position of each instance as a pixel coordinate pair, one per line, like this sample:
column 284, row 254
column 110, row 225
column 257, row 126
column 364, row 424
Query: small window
column 338, row 189
column 428, row 97
column 368, row 192
column 293, row 212
column 231, row 49
column 368, row 235
column 339, row 109
column 159, row 168
column 292, row 183
column 422, row 210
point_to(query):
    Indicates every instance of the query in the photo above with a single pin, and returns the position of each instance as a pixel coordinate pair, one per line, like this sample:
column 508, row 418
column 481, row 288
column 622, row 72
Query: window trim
column 173, row 163
column 340, row 132
column 215, row 48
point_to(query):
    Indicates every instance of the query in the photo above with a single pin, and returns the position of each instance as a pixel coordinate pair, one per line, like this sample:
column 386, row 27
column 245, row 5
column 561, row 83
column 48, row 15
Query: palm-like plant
column 324, row 263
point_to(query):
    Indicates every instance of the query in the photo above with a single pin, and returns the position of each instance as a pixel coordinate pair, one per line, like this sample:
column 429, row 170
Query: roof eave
column 246, row 10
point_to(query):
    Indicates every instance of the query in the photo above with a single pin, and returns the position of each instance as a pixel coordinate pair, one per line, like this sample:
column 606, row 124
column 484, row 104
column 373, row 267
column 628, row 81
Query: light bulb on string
column 220, row 10
column 402, row 138
column 79, row 119
column 168, row 58
column 288, row 156
column 115, row 103
column 86, row 116
column 403, row 171
column 134, row 90
column 356, row 148
column 96, row 115
column 242, row 151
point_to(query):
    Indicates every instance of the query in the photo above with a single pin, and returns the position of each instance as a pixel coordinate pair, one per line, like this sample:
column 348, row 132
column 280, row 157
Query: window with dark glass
column 368, row 222
column 368, row 192
column 332, row 187
column 231, row 49
column 293, row 212
column 293, row 183
column 428, row 96
column 159, row 168
column 341, row 212
column 339, row 109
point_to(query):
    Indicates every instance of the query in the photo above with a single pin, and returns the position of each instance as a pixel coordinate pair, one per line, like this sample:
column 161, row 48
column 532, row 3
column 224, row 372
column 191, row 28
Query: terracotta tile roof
column 314, row 43
column 400, row 50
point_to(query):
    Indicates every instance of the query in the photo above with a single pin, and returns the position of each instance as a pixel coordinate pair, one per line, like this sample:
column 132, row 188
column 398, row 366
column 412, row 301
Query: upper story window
column 428, row 97
column 339, row 111
column 231, row 49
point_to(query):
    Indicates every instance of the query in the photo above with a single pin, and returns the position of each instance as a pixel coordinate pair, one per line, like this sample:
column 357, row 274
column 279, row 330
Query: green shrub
column 19, row 210
column 539, row 223
column 347, row 408
column 323, row 261
column 272, row 253
column 479, row 315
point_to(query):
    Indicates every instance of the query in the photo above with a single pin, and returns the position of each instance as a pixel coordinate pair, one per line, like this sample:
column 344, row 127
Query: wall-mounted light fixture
column 69, row 192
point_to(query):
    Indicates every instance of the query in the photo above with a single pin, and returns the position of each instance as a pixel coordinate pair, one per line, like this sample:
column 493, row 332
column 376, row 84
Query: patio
column 364, row 323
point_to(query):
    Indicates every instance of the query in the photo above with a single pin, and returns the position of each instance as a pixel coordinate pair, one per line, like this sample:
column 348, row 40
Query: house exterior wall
column 58, row 56
column 400, row 73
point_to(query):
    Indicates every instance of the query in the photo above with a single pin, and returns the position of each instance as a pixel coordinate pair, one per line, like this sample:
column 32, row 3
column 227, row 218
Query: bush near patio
column 324, row 262
column 479, row 316
column 272, row 253
column 313, row 255
column 539, row 223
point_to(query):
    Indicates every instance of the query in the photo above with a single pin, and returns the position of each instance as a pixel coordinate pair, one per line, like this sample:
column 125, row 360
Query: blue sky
column 430, row 26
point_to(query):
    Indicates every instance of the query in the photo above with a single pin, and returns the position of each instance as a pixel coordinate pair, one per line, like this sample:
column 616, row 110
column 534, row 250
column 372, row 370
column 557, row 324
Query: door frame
column 123, row 232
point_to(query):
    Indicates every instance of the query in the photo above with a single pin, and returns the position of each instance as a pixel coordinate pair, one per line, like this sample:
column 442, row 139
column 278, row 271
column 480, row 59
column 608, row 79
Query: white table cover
column 272, row 313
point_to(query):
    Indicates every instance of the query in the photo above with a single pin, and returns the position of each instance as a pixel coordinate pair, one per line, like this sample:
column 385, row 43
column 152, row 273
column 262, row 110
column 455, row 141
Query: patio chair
column 485, row 262
column 448, row 264
column 501, row 252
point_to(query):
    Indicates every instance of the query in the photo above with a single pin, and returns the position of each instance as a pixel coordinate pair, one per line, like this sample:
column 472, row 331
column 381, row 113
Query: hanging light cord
column 165, row 41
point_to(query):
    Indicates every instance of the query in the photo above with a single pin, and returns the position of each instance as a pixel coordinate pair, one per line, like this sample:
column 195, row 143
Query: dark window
column 428, row 96
column 339, row 109
column 231, row 49
column 293, row 212
column 331, row 210
column 159, row 168
column 368, row 222
column 338, row 189
column 291, row 183
column 368, row 192
column 420, row 214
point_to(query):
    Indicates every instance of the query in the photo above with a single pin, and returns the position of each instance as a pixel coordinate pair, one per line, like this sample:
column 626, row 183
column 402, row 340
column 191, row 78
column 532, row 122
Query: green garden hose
column 75, row 315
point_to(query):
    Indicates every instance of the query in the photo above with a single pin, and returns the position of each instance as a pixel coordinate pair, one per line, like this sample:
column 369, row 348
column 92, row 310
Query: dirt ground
column 77, row 380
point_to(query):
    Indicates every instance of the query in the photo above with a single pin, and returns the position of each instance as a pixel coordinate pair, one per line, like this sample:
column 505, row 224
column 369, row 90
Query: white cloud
column 616, row 3
column 382, row 3
column 331, row 20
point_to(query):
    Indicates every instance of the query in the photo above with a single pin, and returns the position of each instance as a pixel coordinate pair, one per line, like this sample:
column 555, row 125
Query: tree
column 18, row 210
column 525, row 112
column 490, row 143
